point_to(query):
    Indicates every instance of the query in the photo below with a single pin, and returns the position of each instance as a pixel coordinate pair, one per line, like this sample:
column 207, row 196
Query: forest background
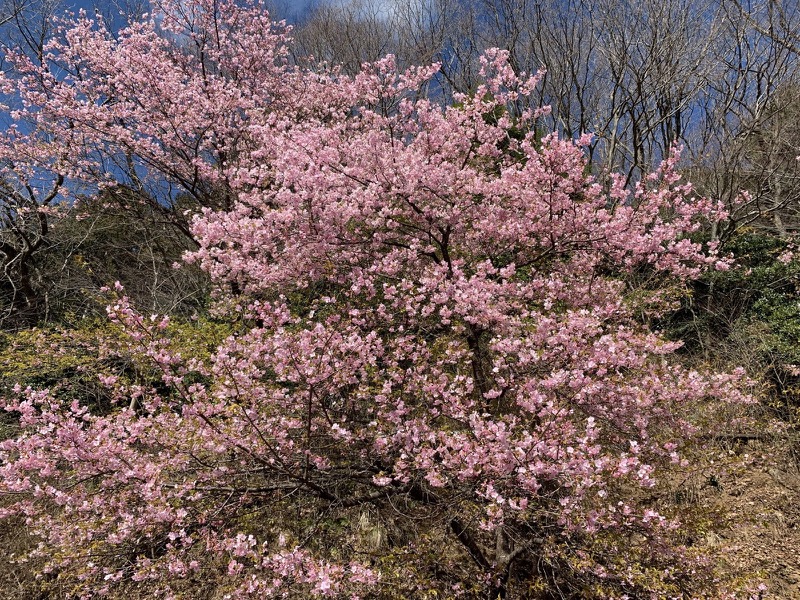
column 720, row 79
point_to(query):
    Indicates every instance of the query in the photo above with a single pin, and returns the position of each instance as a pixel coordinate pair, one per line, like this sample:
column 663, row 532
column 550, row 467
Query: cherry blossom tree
column 440, row 381
column 149, row 141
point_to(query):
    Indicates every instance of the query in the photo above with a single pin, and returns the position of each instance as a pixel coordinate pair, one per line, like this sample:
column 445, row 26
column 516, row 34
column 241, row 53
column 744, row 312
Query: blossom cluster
column 437, row 312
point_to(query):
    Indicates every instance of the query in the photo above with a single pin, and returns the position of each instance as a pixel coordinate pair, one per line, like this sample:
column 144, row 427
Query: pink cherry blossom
column 437, row 319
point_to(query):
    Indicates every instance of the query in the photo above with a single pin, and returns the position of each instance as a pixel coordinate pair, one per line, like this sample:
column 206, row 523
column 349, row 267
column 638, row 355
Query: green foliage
column 65, row 360
column 750, row 315
column 71, row 361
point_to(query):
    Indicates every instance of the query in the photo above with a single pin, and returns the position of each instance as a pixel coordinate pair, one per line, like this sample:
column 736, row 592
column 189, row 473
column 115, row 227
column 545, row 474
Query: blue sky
column 291, row 10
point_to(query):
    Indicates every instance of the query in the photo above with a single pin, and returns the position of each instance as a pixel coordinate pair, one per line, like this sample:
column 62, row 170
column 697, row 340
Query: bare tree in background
column 748, row 138
column 348, row 34
column 654, row 57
